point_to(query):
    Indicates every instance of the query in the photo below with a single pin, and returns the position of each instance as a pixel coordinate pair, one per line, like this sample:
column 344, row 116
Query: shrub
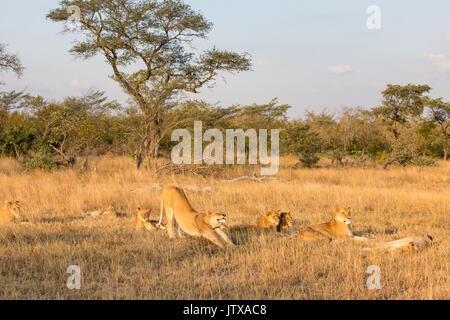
column 15, row 141
column 303, row 142
column 38, row 162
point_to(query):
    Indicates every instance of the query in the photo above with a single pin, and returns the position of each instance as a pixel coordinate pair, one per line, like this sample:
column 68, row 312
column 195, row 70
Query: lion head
column 13, row 208
column 216, row 220
column 110, row 212
column 285, row 221
column 273, row 217
column 144, row 214
column 343, row 215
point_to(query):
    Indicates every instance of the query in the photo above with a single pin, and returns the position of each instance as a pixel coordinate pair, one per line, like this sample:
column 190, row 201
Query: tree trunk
column 141, row 154
column 138, row 160
column 150, row 146
column 155, row 145
column 156, row 138
column 387, row 164
column 447, row 142
column 396, row 134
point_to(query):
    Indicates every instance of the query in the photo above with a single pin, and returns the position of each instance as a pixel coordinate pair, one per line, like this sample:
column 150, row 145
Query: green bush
column 16, row 141
column 306, row 144
column 39, row 162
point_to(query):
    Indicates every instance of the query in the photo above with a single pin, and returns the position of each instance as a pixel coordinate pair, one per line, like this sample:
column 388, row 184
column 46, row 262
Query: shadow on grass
column 60, row 220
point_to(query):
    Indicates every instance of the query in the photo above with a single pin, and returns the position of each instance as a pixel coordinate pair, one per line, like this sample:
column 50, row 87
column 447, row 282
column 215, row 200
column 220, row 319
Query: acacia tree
column 9, row 100
column 400, row 103
column 67, row 127
column 153, row 37
column 14, row 140
column 10, row 62
column 440, row 114
column 12, row 100
column 265, row 116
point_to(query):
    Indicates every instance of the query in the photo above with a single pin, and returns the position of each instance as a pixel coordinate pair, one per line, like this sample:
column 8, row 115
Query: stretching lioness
column 10, row 213
column 143, row 220
column 180, row 212
column 336, row 229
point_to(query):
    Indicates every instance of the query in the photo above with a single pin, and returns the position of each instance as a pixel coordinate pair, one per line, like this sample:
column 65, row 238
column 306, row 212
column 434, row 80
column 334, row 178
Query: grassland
column 119, row 263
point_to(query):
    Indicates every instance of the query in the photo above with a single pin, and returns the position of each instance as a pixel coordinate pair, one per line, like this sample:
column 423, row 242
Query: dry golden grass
column 119, row 263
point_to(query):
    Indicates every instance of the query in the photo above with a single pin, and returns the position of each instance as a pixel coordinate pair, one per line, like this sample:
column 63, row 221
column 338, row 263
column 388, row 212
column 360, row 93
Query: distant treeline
column 147, row 45
column 408, row 128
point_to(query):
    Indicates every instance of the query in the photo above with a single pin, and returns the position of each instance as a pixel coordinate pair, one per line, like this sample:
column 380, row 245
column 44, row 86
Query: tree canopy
column 154, row 38
column 10, row 62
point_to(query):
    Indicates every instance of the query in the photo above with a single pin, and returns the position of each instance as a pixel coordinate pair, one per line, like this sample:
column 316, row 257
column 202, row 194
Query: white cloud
column 78, row 84
column 339, row 69
column 440, row 61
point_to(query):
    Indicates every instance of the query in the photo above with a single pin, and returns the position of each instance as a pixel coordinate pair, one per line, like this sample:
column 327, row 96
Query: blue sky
column 310, row 54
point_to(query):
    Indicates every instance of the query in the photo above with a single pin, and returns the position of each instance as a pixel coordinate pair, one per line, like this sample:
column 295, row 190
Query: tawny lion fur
column 409, row 245
column 181, row 214
column 109, row 213
column 10, row 213
column 336, row 229
column 285, row 222
column 143, row 220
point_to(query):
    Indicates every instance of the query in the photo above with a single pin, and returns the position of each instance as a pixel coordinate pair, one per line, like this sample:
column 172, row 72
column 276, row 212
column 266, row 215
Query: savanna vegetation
column 63, row 158
column 146, row 45
column 118, row 262
column 47, row 134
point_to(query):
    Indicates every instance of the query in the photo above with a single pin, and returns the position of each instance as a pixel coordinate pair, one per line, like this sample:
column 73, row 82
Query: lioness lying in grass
column 336, row 229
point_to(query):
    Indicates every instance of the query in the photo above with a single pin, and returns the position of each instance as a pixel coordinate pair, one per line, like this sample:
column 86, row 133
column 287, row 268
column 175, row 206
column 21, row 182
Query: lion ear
column 337, row 210
column 139, row 209
column 349, row 209
column 208, row 212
